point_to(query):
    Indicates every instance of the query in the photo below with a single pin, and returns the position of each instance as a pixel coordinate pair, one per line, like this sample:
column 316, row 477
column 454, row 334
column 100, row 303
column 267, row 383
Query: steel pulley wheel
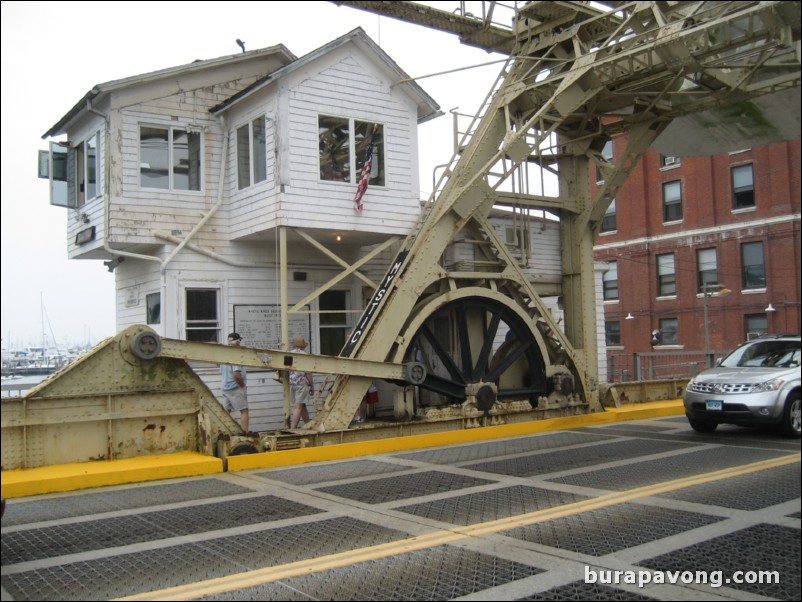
column 479, row 347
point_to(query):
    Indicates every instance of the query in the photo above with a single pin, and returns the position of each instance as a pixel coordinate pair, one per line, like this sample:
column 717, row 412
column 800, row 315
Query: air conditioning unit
column 667, row 161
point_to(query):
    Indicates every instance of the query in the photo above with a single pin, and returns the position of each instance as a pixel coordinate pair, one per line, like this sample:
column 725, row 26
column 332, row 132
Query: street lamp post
column 707, row 291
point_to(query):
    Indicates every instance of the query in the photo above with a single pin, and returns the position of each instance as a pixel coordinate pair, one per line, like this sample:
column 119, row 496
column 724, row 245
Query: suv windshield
column 771, row 354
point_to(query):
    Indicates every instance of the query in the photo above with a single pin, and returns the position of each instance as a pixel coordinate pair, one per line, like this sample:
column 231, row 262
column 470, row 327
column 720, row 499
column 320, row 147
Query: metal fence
column 657, row 365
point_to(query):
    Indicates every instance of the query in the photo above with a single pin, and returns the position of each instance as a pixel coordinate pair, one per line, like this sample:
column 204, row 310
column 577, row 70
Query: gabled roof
column 279, row 52
column 427, row 107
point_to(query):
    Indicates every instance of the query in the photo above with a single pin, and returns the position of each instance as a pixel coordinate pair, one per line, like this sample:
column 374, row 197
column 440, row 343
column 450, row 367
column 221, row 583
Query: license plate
column 714, row 405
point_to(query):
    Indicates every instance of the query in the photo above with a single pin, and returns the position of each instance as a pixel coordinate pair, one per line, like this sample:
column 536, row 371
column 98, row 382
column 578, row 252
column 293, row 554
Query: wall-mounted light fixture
column 629, row 316
column 770, row 308
column 113, row 263
column 84, row 236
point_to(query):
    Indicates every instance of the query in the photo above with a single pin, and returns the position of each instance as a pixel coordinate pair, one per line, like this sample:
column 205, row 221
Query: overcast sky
column 55, row 52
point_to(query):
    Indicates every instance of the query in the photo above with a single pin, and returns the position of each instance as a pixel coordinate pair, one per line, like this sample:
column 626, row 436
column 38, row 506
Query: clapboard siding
column 137, row 212
column 230, row 252
column 345, row 86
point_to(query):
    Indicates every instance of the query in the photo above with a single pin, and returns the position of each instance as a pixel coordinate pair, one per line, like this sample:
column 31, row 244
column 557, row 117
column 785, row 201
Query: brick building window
column 743, row 187
column 666, row 275
column 670, row 331
column 610, row 282
column 706, row 267
column 609, row 222
column 754, row 266
column 612, row 333
column 672, row 201
column 756, row 325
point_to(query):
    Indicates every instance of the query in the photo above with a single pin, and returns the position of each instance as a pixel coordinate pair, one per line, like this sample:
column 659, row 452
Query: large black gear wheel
column 478, row 341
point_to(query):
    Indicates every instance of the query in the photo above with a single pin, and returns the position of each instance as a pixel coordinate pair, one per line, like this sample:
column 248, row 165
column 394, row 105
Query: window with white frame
column 669, row 329
column 743, row 187
column 612, row 333
column 754, row 265
column 74, row 172
column 87, row 169
column 251, row 153
column 170, row 158
column 344, row 145
column 610, row 282
column 153, row 308
column 666, row 275
column 609, row 222
column 672, row 201
column 202, row 307
column 707, row 267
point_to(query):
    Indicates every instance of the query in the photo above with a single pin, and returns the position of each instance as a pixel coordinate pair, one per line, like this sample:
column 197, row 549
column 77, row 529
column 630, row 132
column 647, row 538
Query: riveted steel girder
column 576, row 75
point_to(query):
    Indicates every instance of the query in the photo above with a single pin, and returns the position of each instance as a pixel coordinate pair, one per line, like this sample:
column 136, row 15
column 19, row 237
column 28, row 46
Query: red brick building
column 685, row 232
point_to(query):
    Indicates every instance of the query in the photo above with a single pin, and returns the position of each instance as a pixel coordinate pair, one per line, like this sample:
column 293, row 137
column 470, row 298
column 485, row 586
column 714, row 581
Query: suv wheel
column 702, row 427
column 791, row 425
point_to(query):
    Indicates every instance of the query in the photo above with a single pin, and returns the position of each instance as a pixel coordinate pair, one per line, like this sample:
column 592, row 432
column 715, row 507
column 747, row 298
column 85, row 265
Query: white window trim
column 190, row 128
column 222, row 305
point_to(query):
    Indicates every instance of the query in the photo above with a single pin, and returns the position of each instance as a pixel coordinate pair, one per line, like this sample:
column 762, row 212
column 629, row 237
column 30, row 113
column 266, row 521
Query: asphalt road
column 646, row 510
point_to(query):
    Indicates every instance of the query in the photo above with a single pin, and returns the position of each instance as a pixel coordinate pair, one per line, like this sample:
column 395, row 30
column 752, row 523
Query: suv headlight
column 770, row 385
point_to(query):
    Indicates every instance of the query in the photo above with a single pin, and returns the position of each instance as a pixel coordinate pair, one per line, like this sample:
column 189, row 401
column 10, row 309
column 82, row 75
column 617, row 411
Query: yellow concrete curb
column 82, row 475
column 273, row 459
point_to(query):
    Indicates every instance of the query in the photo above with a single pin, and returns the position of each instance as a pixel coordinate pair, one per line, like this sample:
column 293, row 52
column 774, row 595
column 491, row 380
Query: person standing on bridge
column 302, row 386
column 235, row 386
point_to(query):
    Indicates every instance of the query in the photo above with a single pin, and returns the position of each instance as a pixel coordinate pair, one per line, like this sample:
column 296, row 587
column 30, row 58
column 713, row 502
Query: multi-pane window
column 344, row 144
column 334, row 325
column 610, row 282
column 612, row 333
column 669, row 330
column 609, row 222
column 666, row 275
column 672, row 201
column 74, row 172
column 754, row 267
column 203, row 315
column 707, row 267
column 251, row 153
column 169, row 158
column 743, row 187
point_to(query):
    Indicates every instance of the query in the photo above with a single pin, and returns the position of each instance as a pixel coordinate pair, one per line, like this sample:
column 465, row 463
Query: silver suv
column 757, row 383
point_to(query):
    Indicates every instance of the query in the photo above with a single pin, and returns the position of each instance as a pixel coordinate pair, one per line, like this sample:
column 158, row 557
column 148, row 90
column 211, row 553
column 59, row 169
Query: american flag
column 364, row 176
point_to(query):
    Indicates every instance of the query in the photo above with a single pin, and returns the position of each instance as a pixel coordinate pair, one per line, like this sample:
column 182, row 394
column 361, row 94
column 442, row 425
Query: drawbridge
column 577, row 74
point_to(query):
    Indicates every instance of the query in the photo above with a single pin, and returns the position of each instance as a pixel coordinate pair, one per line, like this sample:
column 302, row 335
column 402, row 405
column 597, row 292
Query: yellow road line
column 256, row 577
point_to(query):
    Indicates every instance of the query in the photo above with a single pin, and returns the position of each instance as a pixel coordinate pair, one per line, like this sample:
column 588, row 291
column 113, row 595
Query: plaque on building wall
column 260, row 325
